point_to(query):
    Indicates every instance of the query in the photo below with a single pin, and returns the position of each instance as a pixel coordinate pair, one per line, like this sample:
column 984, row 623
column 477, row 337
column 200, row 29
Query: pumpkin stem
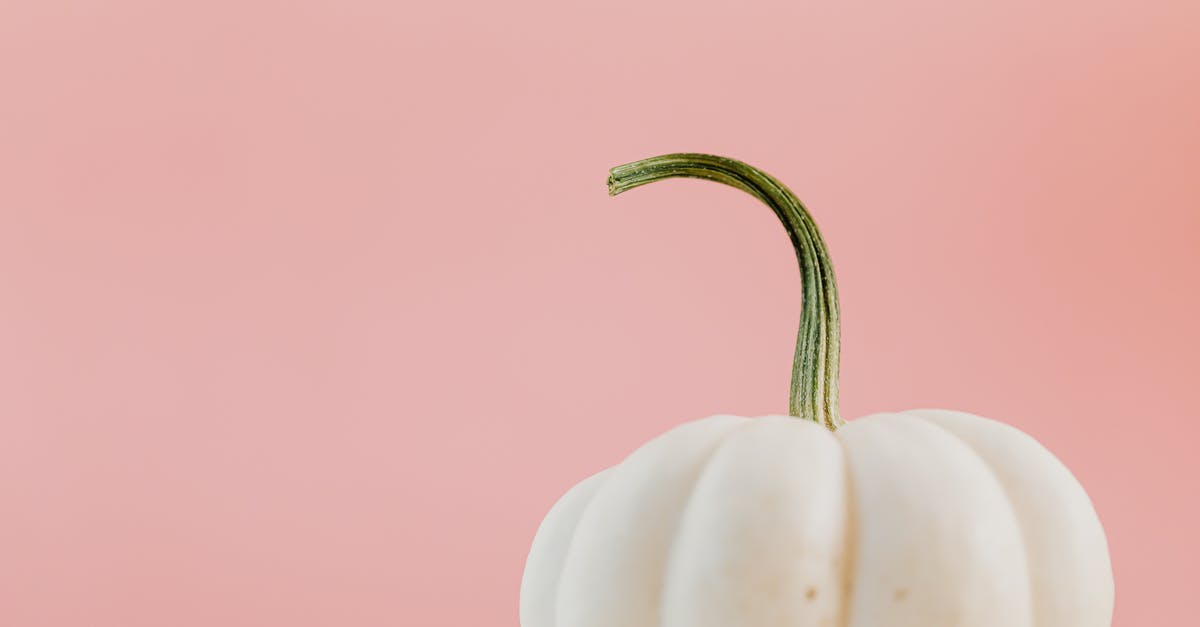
column 814, row 393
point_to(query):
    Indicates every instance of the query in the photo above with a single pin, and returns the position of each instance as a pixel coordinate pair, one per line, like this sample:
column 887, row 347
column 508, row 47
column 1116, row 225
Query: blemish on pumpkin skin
column 900, row 594
column 811, row 593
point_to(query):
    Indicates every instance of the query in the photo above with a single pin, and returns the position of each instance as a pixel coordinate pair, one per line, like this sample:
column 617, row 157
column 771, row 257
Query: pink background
column 309, row 310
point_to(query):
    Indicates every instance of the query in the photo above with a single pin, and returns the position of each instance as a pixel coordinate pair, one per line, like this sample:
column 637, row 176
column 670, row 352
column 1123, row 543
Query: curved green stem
column 814, row 394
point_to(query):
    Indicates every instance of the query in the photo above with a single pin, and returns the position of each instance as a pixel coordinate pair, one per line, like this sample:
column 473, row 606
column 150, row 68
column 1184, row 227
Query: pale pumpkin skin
column 925, row 518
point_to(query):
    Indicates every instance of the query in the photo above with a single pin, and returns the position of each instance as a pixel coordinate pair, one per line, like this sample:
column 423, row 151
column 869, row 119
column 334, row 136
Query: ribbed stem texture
column 814, row 392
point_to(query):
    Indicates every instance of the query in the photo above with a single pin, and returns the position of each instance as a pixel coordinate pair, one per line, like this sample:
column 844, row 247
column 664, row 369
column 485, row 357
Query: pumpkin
column 926, row 518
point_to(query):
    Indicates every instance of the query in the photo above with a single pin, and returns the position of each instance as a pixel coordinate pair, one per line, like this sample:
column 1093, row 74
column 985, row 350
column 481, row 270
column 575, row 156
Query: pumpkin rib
column 563, row 522
column 624, row 534
column 1039, row 482
column 768, row 490
column 684, row 510
column 603, row 474
column 1004, row 489
column 937, row 540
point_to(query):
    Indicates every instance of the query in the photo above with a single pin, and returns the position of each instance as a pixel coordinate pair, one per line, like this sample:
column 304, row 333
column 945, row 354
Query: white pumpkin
column 917, row 519
column 926, row 518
